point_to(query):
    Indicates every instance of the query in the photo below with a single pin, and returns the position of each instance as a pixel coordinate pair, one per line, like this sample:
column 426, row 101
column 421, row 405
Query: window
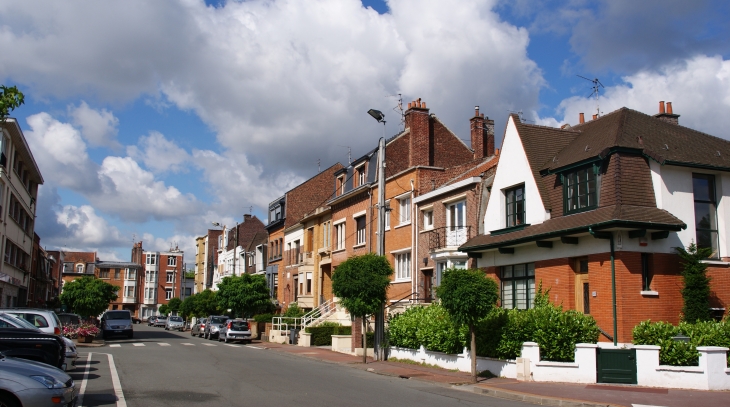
column 276, row 212
column 18, row 213
column 387, row 215
column 326, row 234
column 129, row 291
column 309, row 283
column 170, row 277
column 116, row 273
column 172, row 261
column 403, row 266
column 360, row 224
column 703, row 186
column 79, row 268
column 456, row 216
column 151, row 258
column 340, row 236
column 188, row 291
column 131, row 274
column 515, row 209
column 646, row 273
column 580, row 190
column 360, row 175
column 428, row 219
column 341, row 184
column 518, row 286
column 103, row 273
column 168, row 293
column 405, row 209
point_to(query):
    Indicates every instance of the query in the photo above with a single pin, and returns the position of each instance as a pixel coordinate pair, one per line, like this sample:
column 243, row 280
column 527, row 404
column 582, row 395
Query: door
column 616, row 366
column 427, row 285
column 456, row 224
column 582, row 287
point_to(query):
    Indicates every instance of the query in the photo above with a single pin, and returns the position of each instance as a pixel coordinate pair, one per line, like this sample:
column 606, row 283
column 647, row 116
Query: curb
column 540, row 400
column 95, row 344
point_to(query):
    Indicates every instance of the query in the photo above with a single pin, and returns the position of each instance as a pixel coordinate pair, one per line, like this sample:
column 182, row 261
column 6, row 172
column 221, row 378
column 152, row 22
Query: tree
column 164, row 309
column 206, row 304
column 696, row 291
column 174, row 305
column 468, row 296
column 10, row 99
column 88, row 296
column 187, row 308
column 245, row 295
column 362, row 284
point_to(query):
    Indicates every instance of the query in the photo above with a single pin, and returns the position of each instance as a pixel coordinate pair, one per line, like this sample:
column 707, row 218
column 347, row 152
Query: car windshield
column 239, row 326
column 161, row 317
column 176, row 319
column 218, row 320
column 18, row 322
column 118, row 315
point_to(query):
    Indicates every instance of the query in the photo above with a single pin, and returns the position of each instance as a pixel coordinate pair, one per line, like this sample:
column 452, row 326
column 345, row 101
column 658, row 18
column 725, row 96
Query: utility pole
column 235, row 248
column 380, row 315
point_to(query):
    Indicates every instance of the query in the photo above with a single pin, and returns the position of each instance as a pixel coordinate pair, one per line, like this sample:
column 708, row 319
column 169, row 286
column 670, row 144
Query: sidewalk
column 557, row 394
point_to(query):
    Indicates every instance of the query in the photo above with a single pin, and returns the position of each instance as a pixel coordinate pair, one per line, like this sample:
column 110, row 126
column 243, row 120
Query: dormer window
column 580, row 189
column 341, row 184
column 360, row 175
column 515, row 205
column 79, row 268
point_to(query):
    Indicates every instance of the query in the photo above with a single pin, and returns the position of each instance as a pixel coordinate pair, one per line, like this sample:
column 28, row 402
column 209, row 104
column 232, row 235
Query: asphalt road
column 161, row 368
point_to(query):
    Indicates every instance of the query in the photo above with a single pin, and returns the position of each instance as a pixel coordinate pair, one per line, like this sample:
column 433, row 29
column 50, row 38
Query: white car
column 174, row 323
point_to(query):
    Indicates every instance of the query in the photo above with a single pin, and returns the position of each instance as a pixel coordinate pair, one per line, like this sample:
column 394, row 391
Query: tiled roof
column 665, row 142
column 625, row 216
column 79, row 257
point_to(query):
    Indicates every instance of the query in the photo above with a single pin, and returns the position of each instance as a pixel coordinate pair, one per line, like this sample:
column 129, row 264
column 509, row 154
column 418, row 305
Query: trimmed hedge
column 673, row 353
column 429, row 326
column 322, row 334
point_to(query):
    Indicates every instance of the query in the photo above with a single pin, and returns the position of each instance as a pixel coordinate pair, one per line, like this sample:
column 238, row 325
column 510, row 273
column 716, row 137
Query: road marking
column 163, row 344
column 138, row 344
column 255, row 347
column 82, row 388
column 230, row 344
column 116, row 345
column 209, row 344
column 187, row 344
column 121, row 401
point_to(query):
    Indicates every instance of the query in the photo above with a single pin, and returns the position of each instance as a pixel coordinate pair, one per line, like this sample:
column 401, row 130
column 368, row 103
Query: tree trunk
column 473, row 353
column 364, row 343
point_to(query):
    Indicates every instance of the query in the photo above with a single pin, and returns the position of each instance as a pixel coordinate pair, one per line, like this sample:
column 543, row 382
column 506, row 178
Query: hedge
column 675, row 353
column 322, row 334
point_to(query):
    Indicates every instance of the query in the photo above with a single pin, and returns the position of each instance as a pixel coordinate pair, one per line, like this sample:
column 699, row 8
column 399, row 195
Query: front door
column 427, row 285
column 582, row 287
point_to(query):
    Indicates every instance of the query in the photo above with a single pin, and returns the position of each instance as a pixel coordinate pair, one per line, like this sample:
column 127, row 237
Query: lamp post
column 380, row 316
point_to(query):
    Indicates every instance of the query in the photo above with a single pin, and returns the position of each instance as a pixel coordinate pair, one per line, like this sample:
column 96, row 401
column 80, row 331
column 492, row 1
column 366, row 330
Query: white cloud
column 159, row 154
column 98, row 127
column 86, row 228
column 186, row 243
column 698, row 88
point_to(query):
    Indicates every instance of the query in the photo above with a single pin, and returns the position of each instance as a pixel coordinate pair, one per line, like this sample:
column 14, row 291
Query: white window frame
column 403, row 266
column 129, row 291
column 404, row 210
column 360, row 233
column 151, row 259
column 168, row 293
column 170, row 277
column 172, row 261
column 428, row 219
column 340, row 236
column 79, row 268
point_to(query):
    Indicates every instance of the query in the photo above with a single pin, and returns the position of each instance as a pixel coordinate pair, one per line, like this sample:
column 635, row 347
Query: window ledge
column 715, row 262
column 357, row 246
column 402, row 225
column 338, row 250
column 401, row 280
column 650, row 293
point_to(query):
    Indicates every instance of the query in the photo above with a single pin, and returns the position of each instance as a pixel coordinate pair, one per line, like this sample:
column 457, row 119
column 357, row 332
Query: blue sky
column 150, row 120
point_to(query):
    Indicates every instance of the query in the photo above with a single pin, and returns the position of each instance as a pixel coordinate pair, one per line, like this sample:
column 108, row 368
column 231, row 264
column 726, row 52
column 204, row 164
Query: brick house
column 128, row 277
column 563, row 197
column 253, row 254
column 316, row 285
column 163, row 275
column 77, row 265
column 41, row 282
column 234, row 241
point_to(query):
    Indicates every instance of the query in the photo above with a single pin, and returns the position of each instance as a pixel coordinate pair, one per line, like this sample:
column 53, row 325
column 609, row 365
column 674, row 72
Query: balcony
column 129, row 300
column 448, row 237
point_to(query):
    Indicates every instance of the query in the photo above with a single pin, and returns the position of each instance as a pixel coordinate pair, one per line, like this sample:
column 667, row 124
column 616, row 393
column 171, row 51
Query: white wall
column 513, row 169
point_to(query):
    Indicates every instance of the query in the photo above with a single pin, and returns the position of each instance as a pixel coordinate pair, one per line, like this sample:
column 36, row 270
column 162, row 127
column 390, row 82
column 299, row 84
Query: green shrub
column 321, row 335
column 293, row 311
column 429, row 326
column 674, row 353
column 263, row 317
column 342, row 330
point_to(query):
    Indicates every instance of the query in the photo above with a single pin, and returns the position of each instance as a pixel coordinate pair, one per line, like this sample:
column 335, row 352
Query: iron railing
column 450, row 236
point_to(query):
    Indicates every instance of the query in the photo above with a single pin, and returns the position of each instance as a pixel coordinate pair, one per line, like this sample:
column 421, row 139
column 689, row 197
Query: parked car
column 33, row 345
column 44, row 319
column 235, row 330
column 174, row 322
column 34, row 384
column 151, row 320
column 69, row 319
column 161, row 320
column 198, row 328
column 136, row 320
column 9, row 321
column 213, row 326
column 117, row 322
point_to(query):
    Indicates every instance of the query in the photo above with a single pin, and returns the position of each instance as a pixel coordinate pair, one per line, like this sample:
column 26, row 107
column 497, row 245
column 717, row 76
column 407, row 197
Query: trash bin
column 293, row 336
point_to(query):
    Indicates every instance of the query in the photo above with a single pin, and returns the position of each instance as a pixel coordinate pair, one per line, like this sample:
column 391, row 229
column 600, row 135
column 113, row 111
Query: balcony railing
column 440, row 238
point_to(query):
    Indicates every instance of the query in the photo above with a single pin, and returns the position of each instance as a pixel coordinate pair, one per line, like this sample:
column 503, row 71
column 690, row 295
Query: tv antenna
column 349, row 153
column 594, row 92
column 399, row 109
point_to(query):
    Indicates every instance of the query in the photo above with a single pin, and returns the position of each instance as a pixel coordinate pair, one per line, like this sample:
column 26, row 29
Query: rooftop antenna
column 399, row 109
column 349, row 153
column 319, row 166
column 594, row 92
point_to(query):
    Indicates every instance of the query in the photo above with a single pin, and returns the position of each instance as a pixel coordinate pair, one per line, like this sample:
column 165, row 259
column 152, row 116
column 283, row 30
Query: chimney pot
column 669, row 108
column 409, row 104
column 476, row 110
column 581, row 118
column 423, row 105
column 661, row 106
column 595, row 116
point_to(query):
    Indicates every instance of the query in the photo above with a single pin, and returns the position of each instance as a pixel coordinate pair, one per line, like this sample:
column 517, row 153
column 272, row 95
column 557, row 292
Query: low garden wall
column 711, row 374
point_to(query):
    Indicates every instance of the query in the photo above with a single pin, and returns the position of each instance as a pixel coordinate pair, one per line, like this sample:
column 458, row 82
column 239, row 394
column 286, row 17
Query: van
column 115, row 323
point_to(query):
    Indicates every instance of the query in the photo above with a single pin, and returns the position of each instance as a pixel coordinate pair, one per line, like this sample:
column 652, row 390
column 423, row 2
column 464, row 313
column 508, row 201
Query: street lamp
column 380, row 316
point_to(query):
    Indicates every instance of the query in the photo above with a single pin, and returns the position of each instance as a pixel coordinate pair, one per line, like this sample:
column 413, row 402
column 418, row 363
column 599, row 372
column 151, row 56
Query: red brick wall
column 421, row 148
column 448, row 150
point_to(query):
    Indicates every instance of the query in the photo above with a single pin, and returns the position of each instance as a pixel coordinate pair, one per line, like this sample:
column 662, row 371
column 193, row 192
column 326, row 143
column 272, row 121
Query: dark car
column 117, row 322
column 213, row 326
column 33, row 345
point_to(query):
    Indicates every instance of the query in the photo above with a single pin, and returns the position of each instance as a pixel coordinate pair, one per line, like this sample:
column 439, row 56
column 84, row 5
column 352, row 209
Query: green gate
column 616, row 366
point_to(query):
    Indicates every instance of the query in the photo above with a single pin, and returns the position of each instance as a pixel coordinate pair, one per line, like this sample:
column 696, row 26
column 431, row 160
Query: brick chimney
column 581, row 118
column 482, row 135
column 421, row 144
column 137, row 253
column 246, row 216
column 667, row 116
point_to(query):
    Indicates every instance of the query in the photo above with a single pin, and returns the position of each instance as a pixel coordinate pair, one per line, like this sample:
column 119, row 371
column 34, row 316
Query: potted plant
column 86, row 333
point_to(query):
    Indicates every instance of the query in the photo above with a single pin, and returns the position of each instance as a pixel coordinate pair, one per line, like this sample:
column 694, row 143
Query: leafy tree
column 362, row 284
column 10, row 99
column 206, row 304
column 293, row 311
column 187, row 308
column 468, row 296
column 164, row 309
column 88, row 296
column 174, row 305
column 696, row 291
column 245, row 295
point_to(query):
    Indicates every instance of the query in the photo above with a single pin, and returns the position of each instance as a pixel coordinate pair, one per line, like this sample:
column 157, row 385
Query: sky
column 149, row 120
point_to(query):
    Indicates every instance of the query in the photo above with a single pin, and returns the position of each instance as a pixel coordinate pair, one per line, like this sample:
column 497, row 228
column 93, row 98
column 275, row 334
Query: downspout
column 609, row 236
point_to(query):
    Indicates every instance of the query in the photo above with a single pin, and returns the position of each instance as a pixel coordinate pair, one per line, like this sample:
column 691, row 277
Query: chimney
column 668, row 115
column 246, row 216
column 595, row 116
column 478, row 135
column 418, row 122
column 581, row 119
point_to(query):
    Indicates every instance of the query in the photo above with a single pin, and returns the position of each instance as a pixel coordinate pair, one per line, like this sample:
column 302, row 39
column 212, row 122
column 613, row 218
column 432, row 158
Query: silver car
column 214, row 325
column 174, row 323
column 34, row 384
column 161, row 320
column 235, row 330
column 198, row 328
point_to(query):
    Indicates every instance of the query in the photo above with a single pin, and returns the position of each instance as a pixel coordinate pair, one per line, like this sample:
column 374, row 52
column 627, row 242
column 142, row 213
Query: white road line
column 82, row 388
column 209, row 344
column 255, row 347
column 163, row 344
column 138, row 344
column 116, row 345
column 643, row 405
column 121, row 401
column 187, row 344
column 230, row 344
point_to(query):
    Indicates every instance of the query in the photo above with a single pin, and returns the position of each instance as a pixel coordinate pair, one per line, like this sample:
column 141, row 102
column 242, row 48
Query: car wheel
column 226, row 339
column 6, row 400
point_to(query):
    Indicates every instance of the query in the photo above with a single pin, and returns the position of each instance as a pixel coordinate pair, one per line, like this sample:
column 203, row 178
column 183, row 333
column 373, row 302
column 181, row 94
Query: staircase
column 319, row 314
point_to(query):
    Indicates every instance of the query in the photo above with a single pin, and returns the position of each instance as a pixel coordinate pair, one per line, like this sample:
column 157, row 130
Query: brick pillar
column 356, row 333
column 419, row 123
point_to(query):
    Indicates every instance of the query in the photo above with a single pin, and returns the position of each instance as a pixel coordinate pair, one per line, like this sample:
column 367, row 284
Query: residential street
column 160, row 368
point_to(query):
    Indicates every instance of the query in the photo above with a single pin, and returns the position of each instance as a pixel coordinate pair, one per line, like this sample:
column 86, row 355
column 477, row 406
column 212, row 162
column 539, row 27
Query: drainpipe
column 609, row 236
